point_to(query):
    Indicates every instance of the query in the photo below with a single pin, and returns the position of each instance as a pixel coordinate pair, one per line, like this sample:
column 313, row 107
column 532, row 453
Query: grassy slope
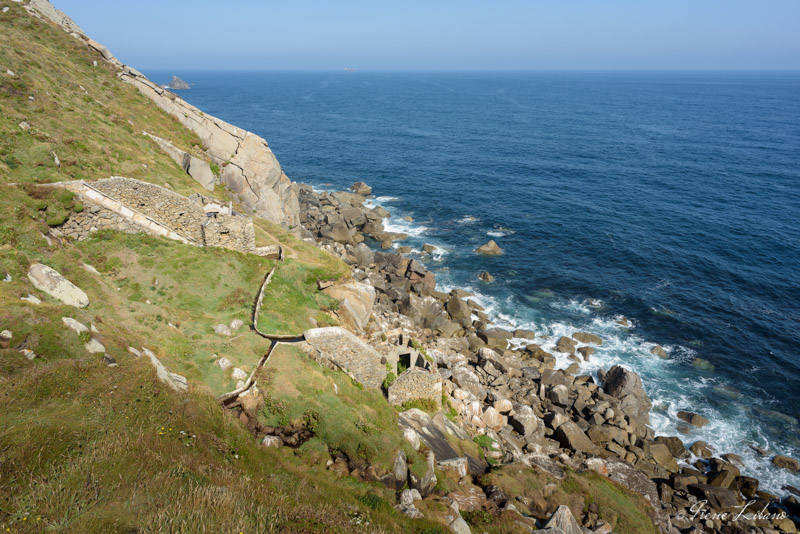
column 626, row 511
column 84, row 114
column 88, row 448
column 356, row 421
column 292, row 297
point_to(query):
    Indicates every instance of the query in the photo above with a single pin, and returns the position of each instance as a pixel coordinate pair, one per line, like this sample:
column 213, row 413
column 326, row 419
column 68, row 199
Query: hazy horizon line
column 488, row 71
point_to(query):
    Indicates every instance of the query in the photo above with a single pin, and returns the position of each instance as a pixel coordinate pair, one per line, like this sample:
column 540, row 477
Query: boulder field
column 533, row 413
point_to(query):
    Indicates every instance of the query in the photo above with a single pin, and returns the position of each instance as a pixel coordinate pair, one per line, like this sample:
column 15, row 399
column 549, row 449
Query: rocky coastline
column 535, row 414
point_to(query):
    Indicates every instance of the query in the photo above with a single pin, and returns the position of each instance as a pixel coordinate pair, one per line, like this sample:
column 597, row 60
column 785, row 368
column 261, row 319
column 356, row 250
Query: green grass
column 292, row 298
column 358, row 422
column 626, row 511
column 92, row 120
column 87, row 448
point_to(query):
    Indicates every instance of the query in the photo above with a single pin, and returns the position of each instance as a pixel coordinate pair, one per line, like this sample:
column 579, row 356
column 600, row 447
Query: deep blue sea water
column 672, row 199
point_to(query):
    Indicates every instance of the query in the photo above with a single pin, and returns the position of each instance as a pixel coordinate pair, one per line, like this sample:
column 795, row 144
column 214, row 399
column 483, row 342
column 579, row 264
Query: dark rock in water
column 659, row 351
column 490, row 249
column 748, row 486
column 785, row 462
column 700, row 449
column 360, row 188
column 486, row 277
column 693, row 419
column 565, row 345
column 586, row 337
column 177, row 83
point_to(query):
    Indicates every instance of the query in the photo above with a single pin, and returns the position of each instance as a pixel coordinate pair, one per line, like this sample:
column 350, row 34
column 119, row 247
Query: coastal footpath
column 360, row 398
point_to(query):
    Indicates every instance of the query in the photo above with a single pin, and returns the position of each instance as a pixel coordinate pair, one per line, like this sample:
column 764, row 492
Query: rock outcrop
column 337, row 348
column 356, row 300
column 178, row 84
column 192, row 165
column 50, row 281
column 247, row 165
column 489, row 249
column 627, row 386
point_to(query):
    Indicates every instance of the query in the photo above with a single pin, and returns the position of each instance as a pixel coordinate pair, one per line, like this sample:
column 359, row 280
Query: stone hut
column 418, row 380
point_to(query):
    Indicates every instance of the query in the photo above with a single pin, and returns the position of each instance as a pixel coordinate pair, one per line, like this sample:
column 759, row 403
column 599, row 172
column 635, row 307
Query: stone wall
column 133, row 206
column 229, row 231
column 94, row 218
column 416, row 383
column 168, row 208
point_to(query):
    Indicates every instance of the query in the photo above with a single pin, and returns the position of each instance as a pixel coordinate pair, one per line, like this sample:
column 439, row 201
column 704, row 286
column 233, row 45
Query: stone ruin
column 130, row 205
column 420, row 380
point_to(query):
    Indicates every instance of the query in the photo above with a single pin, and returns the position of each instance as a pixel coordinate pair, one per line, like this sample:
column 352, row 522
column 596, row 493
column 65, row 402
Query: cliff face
column 248, row 167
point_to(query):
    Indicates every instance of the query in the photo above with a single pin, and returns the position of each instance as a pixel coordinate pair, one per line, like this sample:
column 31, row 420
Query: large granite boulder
column 564, row 521
column 586, row 337
column 436, row 433
column 693, row 419
column 785, row 462
column 570, row 436
column 174, row 381
column 50, row 281
column 360, row 188
column 356, row 302
column 627, row 386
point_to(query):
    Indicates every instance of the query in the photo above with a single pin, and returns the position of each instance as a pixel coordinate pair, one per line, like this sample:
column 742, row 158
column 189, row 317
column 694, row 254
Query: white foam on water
column 500, row 232
column 399, row 225
column 672, row 384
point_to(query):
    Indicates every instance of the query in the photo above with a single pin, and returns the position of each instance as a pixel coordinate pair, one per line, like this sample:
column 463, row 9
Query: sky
column 446, row 34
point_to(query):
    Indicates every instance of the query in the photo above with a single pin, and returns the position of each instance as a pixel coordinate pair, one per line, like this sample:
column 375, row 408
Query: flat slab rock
column 433, row 431
column 50, row 281
column 348, row 352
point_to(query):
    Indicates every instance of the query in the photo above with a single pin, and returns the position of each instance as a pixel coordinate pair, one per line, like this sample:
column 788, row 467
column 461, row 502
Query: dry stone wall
column 229, row 231
column 168, row 208
column 130, row 205
column 416, row 383
column 94, row 218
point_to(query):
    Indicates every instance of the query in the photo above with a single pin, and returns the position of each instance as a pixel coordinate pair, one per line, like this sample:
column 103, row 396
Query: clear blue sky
column 445, row 34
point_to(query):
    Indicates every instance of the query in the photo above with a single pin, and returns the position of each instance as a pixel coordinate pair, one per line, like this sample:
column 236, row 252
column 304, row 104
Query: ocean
column 672, row 199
